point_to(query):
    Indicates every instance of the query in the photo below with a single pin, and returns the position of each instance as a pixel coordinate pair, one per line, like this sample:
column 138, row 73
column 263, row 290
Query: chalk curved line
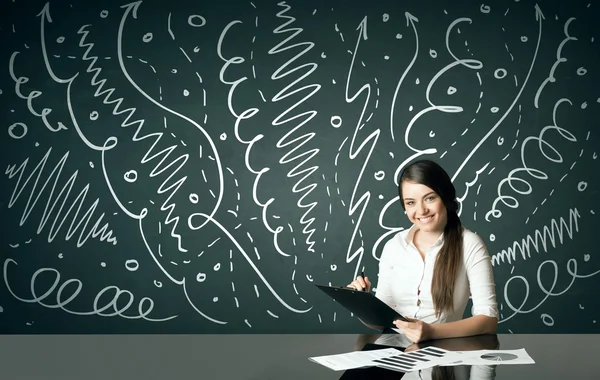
column 241, row 250
column 409, row 19
column 539, row 16
column 178, row 282
column 45, row 16
column 559, row 60
column 450, row 27
column 132, row 8
column 87, row 142
column 144, row 211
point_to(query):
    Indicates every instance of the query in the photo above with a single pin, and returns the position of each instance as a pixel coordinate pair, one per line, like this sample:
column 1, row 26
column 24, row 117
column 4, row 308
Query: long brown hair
column 448, row 260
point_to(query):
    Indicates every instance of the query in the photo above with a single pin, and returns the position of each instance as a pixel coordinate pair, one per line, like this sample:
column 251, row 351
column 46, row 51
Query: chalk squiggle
column 84, row 221
column 535, row 173
column 354, row 151
column 571, row 268
column 541, row 237
column 62, row 301
column 308, row 155
column 246, row 114
column 559, row 59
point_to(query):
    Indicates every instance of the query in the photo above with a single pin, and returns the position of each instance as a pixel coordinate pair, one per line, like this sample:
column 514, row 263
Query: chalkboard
column 196, row 167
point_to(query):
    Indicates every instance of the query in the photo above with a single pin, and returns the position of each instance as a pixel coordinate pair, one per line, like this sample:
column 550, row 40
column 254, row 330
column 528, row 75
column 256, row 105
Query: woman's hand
column 361, row 284
column 415, row 330
column 412, row 347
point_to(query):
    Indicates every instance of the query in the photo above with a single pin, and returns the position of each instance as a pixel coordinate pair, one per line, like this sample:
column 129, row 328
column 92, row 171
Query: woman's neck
column 426, row 239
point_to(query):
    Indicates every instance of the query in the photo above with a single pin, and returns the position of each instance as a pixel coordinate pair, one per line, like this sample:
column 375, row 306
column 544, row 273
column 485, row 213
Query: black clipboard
column 364, row 305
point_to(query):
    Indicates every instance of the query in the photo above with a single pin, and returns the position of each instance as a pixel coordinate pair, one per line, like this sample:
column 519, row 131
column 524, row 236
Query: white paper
column 355, row 359
column 492, row 357
column 432, row 356
column 415, row 360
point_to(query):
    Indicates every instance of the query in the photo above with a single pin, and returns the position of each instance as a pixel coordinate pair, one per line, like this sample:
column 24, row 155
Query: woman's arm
column 483, row 294
column 476, row 325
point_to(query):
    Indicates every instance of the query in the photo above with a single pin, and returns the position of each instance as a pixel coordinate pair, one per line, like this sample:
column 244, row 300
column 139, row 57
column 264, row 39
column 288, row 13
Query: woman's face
column 424, row 207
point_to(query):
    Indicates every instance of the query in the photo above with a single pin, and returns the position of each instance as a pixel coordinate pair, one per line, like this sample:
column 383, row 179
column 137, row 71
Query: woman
column 428, row 272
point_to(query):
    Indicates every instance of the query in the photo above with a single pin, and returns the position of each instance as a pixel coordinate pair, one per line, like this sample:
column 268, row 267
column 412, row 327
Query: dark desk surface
column 264, row 357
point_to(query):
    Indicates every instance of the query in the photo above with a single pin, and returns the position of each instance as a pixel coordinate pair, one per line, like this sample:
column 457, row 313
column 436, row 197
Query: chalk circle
column 91, row 164
column 398, row 36
column 309, row 278
column 94, row 115
column 196, row 49
column 37, row 144
column 451, row 90
column 104, row 13
column 223, row 136
column 17, row 136
column 583, row 105
column 581, row 71
column 1, row 309
column 192, row 21
column 147, row 37
column 215, row 299
column 594, row 156
column 336, row 121
column 380, row 196
column 186, row 93
column 500, row 73
column 103, row 264
column 158, row 284
column 174, row 71
column 60, row 256
column 524, row 39
column 380, row 175
column 500, row 140
column 130, row 176
column 217, row 267
column 194, row 198
column 201, row 277
column 132, row 265
column 60, row 40
column 431, row 134
column 417, row 81
column 581, row 186
column 484, row 8
column 492, row 237
column 0, row 91
column 432, row 53
column 386, row 17
column 547, row 319
column 494, row 109
column 333, row 267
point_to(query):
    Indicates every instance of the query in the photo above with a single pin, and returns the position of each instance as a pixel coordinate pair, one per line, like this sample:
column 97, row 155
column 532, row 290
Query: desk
column 258, row 357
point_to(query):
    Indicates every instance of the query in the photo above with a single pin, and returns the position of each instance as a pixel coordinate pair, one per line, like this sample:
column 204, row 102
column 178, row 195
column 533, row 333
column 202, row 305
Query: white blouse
column 404, row 279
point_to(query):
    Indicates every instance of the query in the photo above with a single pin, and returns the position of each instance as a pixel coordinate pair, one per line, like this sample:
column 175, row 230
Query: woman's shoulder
column 398, row 240
column 471, row 237
column 473, row 243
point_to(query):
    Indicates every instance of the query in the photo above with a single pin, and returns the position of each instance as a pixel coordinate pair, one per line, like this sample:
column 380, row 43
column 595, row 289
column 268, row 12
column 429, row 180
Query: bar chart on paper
column 415, row 360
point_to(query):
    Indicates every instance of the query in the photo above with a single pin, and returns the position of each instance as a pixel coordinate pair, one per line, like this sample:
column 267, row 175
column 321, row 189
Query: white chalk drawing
column 228, row 161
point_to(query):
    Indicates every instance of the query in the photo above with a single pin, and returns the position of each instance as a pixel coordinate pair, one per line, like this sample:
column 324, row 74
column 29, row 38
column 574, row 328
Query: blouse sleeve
column 481, row 279
column 384, row 278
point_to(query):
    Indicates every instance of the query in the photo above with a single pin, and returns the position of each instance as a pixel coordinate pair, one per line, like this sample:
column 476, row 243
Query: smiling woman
column 428, row 272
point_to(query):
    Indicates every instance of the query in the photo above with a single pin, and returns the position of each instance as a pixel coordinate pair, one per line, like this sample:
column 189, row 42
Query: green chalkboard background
column 196, row 167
